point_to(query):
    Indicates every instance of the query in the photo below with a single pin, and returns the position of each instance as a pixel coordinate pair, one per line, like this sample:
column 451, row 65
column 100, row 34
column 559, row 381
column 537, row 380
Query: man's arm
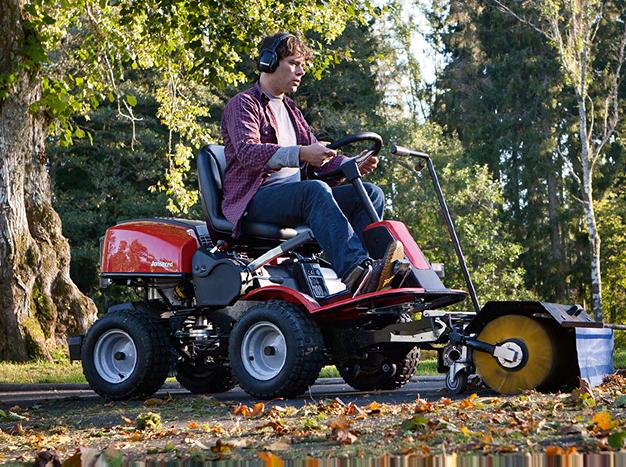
column 333, row 163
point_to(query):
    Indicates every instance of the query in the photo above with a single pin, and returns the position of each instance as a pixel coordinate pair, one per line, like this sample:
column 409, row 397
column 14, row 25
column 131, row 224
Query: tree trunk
column 555, row 235
column 590, row 216
column 39, row 303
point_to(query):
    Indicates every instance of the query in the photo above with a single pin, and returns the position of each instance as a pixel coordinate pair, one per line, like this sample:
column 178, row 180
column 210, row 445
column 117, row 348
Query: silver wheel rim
column 115, row 356
column 263, row 351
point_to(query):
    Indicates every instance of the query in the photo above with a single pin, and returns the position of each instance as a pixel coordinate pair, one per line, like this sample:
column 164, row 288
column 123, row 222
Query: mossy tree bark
column 39, row 303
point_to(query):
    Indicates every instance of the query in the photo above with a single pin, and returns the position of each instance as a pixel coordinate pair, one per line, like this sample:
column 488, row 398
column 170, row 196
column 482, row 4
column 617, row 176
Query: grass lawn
column 62, row 371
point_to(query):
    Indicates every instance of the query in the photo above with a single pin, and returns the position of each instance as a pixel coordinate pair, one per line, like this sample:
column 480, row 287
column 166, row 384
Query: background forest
column 499, row 118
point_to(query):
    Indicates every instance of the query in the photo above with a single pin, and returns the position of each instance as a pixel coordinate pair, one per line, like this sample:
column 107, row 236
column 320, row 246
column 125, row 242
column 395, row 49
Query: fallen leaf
column 127, row 420
column 351, row 409
column 446, row 401
column 554, row 450
column 344, row 436
column 199, row 444
column 242, row 410
column 340, row 423
column 277, row 425
column 148, row 421
column 134, row 436
column 222, row 448
column 216, row 428
column 257, row 409
column 373, row 409
column 422, row 405
column 468, row 402
column 270, row 460
column 617, row 439
column 192, row 425
column 153, row 402
column 11, row 416
column 414, row 423
column 604, row 421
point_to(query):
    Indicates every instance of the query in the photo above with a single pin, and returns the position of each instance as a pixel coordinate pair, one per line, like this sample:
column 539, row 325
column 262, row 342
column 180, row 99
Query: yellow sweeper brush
column 534, row 349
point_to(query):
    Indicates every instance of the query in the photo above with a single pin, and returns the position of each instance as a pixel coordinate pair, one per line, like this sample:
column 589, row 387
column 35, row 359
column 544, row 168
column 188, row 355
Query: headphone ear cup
column 268, row 61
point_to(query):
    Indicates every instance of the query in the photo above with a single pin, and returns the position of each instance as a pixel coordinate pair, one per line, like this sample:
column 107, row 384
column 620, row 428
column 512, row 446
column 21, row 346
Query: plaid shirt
column 249, row 133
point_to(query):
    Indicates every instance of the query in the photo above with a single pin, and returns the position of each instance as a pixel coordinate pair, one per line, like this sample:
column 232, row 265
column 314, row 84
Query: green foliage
column 84, row 50
column 504, row 93
column 611, row 212
column 475, row 201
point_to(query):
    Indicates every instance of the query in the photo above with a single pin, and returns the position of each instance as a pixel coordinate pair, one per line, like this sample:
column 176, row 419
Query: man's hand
column 369, row 165
column 316, row 154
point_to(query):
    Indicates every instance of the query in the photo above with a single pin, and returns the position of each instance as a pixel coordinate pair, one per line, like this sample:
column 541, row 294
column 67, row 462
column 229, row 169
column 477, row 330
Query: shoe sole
column 395, row 251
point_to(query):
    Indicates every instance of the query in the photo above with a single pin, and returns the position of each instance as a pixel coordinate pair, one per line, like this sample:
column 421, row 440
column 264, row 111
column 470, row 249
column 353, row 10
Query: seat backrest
column 211, row 168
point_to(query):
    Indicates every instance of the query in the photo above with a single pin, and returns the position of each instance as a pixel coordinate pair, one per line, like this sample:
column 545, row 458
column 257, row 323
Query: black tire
column 303, row 349
column 371, row 375
column 204, row 378
column 457, row 385
column 400, row 359
column 138, row 327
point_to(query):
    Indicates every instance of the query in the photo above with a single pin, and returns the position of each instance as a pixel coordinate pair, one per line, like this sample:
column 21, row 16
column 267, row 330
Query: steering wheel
column 337, row 175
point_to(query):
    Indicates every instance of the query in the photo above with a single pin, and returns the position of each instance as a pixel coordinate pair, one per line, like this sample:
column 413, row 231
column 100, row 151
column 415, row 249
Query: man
column 266, row 143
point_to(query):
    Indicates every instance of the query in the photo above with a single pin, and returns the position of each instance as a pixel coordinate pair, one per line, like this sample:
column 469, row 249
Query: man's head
column 282, row 58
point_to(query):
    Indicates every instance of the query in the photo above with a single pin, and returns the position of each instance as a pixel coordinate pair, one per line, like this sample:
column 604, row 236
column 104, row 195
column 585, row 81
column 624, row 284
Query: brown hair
column 292, row 45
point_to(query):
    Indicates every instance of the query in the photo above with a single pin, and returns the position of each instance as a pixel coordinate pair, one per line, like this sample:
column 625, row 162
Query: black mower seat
column 211, row 168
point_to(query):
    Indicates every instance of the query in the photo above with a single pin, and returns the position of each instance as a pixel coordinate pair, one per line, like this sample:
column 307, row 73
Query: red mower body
column 148, row 247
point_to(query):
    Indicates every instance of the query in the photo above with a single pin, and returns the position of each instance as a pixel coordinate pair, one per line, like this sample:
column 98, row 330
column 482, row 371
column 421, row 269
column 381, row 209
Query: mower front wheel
column 126, row 354
column 276, row 350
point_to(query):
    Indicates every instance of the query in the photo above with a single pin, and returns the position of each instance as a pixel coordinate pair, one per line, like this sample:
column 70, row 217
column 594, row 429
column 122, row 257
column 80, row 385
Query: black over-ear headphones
column 268, row 57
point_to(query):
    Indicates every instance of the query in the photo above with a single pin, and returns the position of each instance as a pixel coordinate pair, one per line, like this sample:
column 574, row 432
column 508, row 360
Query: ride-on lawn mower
column 267, row 312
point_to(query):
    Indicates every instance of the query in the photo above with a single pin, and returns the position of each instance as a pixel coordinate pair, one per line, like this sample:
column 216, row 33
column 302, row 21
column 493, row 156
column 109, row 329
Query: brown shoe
column 382, row 269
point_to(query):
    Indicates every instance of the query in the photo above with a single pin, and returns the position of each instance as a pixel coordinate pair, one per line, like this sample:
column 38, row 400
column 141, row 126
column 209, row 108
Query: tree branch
column 610, row 121
column 506, row 9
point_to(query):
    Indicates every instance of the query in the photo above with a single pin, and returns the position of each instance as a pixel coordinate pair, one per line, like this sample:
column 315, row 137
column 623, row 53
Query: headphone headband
column 268, row 57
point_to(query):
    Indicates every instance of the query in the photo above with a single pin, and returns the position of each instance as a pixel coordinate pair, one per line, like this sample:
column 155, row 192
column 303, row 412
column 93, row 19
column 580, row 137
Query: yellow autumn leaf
column 604, row 420
column 270, row 460
column 468, row 402
column 257, row 409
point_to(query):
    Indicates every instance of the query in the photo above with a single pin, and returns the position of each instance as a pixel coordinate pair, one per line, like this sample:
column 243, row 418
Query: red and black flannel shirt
column 249, row 132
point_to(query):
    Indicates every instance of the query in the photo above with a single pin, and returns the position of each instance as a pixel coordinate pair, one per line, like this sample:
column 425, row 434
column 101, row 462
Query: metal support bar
column 480, row 346
column 399, row 150
column 353, row 174
column 279, row 250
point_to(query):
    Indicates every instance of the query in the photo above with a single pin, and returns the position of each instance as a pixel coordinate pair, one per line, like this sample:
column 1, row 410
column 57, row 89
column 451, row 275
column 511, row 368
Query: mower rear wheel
column 126, row 354
column 539, row 354
column 203, row 378
column 275, row 350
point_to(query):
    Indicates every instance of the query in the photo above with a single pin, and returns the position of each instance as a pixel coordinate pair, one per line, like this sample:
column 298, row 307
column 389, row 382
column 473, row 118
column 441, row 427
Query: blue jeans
column 335, row 215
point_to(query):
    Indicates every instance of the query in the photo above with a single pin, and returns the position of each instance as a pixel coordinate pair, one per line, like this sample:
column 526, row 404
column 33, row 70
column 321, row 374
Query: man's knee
column 316, row 188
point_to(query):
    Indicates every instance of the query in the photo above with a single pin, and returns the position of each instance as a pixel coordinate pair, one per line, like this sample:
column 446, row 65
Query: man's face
column 288, row 74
